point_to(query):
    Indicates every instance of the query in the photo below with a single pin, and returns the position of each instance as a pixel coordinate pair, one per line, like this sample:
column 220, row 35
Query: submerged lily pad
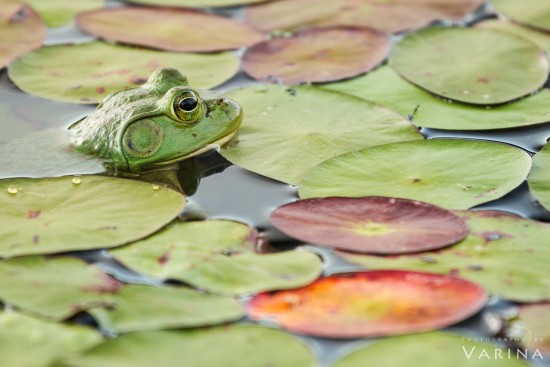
column 30, row 342
column 386, row 87
column 218, row 256
column 389, row 16
column 371, row 224
column 535, row 320
column 142, row 308
column 55, row 288
column 89, row 72
column 452, row 173
column 50, row 215
column 372, row 303
column 539, row 177
column 434, row 349
column 238, row 345
column 286, row 132
column 506, row 254
column 533, row 13
column 168, row 29
column 317, row 55
column 472, row 65
column 21, row 30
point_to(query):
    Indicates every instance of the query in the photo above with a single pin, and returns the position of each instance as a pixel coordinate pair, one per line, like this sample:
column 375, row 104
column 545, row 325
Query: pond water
column 223, row 190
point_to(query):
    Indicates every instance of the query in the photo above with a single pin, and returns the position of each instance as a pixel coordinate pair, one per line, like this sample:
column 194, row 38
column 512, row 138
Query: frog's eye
column 187, row 107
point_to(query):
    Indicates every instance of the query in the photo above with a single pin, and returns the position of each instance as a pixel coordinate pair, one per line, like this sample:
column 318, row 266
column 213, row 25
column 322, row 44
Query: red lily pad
column 172, row 29
column 388, row 16
column 317, row 55
column 371, row 303
column 21, row 30
column 374, row 224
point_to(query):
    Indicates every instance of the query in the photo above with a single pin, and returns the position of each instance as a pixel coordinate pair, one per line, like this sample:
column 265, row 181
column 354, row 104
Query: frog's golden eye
column 187, row 107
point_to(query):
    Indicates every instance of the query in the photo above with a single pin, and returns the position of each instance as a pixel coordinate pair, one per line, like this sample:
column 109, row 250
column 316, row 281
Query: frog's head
column 159, row 123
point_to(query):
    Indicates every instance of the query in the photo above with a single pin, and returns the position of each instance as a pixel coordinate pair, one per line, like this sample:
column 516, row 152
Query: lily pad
column 168, row 29
column 238, row 345
column 539, row 177
column 372, row 303
column 50, row 215
column 57, row 13
column 54, row 288
column 89, row 72
column 142, row 308
column 506, row 254
column 388, row 16
column 535, row 319
column 386, row 87
column 30, row 342
column 317, row 55
column 373, row 224
column 218, row 256
column 533, row 13
column 452, row 173
column 198, row 3
column 21, row 30
column 286, row 132
column 433, row 350
column 472, row 65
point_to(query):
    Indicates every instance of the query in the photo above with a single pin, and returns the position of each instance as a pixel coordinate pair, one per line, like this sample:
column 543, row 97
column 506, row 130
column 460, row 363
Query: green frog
column 159, row 123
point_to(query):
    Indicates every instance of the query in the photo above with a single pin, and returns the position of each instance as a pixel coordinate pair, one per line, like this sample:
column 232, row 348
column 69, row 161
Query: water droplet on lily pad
column 370, row 303
column 168, row 29
column 452, row 173
column 317, row 55
column 288, row 131
column 495, row 67
column 101, row 69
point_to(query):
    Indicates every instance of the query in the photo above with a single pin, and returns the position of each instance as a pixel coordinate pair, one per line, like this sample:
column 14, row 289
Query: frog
column 159, row 123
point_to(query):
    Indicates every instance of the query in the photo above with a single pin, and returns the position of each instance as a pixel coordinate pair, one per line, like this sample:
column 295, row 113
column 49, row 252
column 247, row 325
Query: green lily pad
column 89, row 72
column 57, row 13
column 142, row 308
column 533, row 13
column 51, row 215
column 238, row 345
column 433, row 350
column 197, row 3
column 472, row 65
column 386, row 87
column 168, row 29
column 54, row 288
column 21, row 30
column 535, row 320
column 286, row 132
column 539, row 177
column 371, row 224
column 506, row 254
column 218, row 256
column 30, row 342
column 370, row 303
column 317, row 55
column 388, row 16
column 451, row 173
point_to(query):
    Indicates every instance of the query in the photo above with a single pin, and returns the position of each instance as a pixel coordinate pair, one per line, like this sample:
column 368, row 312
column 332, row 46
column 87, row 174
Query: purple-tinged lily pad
column 21, row 30
column 374, row 224
column 472, row 65
column 317, row 55
column 171, row 29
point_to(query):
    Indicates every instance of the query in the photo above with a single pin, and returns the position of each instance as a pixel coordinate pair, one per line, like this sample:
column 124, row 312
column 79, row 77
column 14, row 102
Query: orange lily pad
column 389, row 16
column 172, row 29
column 21, row 30
column 371, row 303
column 317, row 55
column 375, row 224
